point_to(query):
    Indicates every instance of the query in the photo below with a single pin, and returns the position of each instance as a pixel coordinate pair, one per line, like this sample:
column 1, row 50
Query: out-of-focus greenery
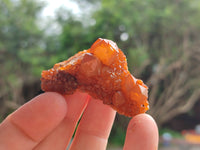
column 173, row 133
column 144, row 30
column 117, row 136
column 20, row 38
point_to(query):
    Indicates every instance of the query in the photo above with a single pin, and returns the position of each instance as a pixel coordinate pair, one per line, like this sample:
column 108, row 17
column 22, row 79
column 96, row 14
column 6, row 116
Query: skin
column 48, row 122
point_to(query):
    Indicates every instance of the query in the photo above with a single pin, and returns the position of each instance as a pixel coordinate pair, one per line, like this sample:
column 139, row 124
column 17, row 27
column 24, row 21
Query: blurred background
column 160, row 39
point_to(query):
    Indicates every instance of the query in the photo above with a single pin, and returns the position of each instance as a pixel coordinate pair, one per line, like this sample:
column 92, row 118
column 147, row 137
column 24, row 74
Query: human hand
column 48, row 122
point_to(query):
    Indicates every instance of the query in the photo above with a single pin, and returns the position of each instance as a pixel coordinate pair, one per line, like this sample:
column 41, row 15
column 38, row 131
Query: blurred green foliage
column 148, row 26
column 173, row 133
column 154, row 28
column 20, row 37
column 117, row 136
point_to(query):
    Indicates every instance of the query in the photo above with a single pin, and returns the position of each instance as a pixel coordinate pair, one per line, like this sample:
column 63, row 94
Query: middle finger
column 94, row 127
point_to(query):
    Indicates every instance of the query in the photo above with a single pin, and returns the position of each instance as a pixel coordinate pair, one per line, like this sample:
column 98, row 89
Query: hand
column 48, row 121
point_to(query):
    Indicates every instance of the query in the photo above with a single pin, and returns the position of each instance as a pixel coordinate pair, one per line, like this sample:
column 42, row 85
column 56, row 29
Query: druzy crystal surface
column 102, row 72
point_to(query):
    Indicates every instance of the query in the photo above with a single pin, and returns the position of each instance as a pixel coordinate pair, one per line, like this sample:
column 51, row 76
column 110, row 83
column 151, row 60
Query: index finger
column 142, row 133
column 27, row 126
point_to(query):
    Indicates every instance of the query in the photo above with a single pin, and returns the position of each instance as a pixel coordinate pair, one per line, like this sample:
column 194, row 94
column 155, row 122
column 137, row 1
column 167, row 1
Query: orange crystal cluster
column 102, row 72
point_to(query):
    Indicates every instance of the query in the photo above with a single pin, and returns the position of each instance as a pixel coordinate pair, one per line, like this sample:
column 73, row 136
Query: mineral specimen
column 102, row 72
